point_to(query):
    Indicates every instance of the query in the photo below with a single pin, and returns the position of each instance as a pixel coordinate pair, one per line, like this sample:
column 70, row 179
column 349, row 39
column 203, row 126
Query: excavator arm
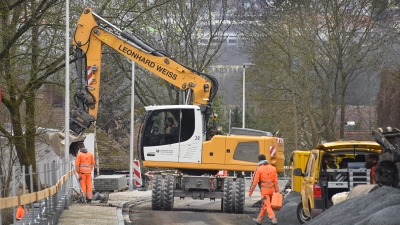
column 91, row 32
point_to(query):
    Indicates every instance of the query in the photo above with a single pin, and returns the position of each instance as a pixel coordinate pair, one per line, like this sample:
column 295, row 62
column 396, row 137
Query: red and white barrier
column 222, row 173
column 272, row 149
column 136, row 173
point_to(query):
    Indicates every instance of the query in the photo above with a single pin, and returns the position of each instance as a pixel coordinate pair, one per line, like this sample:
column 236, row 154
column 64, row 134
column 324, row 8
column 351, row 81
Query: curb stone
column 119, row 213
column 126, row 208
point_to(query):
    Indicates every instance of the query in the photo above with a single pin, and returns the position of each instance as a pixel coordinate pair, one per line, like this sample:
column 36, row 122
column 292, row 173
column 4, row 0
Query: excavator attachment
column 386, row 172
column 57, row 141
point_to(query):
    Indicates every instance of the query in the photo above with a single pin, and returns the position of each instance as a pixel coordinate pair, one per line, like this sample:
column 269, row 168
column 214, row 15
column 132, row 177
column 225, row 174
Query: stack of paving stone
column 110, row 183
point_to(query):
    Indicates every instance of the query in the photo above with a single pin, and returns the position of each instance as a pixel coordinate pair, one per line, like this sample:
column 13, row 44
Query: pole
column 66, row 145
column 244, row 96
column 14, row 182
column 96, row 151
column 132, row 128
column 230, row 120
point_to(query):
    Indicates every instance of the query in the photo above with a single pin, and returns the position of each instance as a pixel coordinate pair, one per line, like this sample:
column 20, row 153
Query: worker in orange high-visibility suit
column 84, row 165
column 266, row 178
column 21, row 212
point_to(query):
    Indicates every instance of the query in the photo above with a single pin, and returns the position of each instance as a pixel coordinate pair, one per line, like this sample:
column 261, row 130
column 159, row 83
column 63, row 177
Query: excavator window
column 169, row 126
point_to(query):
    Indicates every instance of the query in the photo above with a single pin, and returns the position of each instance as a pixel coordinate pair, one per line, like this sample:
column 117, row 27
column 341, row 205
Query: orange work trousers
column 86, row 185
column 266, row 208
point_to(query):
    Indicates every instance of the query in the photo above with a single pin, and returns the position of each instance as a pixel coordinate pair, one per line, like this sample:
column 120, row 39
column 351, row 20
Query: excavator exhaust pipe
column 57, row 141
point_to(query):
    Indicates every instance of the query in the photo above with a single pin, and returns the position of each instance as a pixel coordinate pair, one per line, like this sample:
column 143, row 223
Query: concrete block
column 109, row 182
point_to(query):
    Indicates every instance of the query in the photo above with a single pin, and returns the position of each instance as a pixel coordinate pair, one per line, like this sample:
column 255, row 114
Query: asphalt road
column 206, row 212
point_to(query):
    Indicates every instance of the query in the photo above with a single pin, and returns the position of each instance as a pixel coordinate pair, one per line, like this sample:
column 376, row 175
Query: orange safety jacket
column 84, row 162
column 20, row 212
column 266, row 177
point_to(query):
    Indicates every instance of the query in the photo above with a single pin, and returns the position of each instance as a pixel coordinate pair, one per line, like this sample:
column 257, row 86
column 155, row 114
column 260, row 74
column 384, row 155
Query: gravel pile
column 287, row 214
column 380, row 207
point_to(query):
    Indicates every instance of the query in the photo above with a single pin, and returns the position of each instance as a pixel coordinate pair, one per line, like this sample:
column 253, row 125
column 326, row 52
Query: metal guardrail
column 46, row 205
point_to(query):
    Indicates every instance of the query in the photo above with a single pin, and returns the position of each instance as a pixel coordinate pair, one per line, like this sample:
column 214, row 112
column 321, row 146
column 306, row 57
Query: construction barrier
column 222, row 173
column 137, row 177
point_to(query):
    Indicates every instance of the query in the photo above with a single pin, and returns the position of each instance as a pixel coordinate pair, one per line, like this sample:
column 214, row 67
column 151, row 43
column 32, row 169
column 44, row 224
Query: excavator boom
column 90, row 34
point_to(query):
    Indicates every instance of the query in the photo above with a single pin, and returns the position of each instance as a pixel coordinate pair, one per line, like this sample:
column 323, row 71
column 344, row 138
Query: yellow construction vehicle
column 347, row 168
column 188, row 143
column 328, row 169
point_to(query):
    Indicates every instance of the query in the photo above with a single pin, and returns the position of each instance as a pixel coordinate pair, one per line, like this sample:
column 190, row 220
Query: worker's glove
column 80, row 178
column 250, row 193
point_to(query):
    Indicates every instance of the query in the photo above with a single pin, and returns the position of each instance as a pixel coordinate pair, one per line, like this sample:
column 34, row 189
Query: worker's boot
column 273, row 220
column 255, row 221
column 88, row 200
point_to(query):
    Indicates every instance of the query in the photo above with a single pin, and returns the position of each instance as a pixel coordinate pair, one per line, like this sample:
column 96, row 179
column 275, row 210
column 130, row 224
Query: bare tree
column 387, row 102
column 308, row 54
column 26, row 63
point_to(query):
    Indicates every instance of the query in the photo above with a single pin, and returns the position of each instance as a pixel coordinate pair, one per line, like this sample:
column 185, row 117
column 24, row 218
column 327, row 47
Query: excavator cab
column 182, row 142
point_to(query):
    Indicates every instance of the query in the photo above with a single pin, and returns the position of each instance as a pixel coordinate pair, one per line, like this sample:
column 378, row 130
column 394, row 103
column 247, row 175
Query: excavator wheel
column 156, row 193
column 239, row 195
column 362, row 189
column 228, row 194
column 168, row 195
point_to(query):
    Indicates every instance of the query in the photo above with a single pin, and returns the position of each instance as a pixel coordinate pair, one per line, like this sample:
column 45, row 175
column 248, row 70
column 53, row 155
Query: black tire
column 156, row 193
column 168, row 195
column 239, row 195
column 300, row 214
column 228, row 195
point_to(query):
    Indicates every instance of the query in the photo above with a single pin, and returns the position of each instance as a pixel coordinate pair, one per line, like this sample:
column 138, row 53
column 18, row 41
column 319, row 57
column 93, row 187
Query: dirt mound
column 378, row 207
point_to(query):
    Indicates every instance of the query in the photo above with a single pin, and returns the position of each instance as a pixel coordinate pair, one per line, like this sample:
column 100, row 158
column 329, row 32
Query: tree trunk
column 30, row 135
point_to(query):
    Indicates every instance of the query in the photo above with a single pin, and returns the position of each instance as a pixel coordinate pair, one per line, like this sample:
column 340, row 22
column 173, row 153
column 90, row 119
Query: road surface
column 205, row 212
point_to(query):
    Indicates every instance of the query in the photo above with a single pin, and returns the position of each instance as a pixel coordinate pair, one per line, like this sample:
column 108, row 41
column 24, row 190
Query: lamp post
column 67, row 106
column 244, row 92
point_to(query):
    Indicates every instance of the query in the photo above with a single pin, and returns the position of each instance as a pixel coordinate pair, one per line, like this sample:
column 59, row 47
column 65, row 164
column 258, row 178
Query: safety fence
column 45, row 206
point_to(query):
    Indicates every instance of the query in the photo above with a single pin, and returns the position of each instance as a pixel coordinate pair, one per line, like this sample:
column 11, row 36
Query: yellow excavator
column 171, row 136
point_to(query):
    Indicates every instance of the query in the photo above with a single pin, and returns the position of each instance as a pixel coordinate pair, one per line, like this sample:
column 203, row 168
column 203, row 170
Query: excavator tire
column 228, row 195
column 156, row 193
column 239, row 195
column 362, row 189
column 168, row 195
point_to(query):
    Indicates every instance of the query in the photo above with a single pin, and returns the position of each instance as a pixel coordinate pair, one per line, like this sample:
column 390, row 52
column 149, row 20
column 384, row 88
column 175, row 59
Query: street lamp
column 244, row 91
